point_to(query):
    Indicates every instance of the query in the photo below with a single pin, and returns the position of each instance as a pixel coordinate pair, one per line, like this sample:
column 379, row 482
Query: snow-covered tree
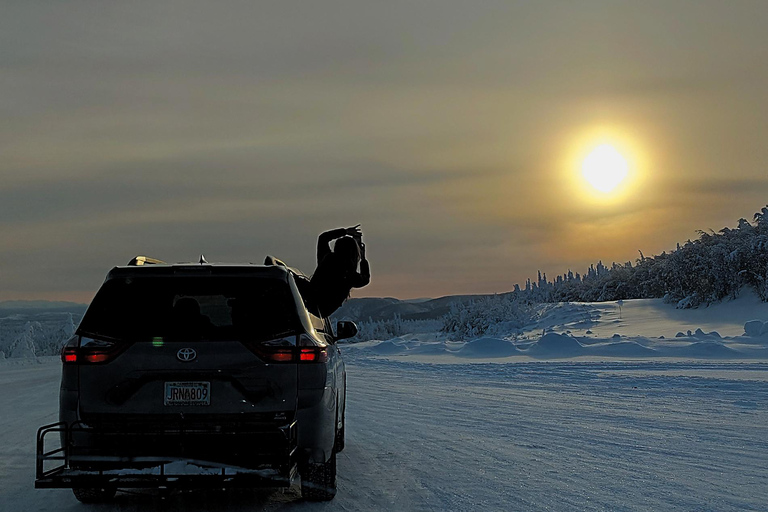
column 714, row 266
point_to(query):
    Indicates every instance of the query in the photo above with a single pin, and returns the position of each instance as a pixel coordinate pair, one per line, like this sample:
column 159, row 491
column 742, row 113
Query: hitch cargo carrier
column 112, row 467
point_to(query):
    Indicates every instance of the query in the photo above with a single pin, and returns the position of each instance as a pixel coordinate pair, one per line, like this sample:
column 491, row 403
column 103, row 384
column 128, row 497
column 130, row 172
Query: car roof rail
column 139, row 261
column 272, row 261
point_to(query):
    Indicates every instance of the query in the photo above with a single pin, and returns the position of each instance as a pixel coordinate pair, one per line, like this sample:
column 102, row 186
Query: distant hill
column 41, row 304
column 378, row 309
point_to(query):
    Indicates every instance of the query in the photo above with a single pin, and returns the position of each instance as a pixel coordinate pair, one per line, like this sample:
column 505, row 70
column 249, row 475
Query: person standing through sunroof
column 337, row 269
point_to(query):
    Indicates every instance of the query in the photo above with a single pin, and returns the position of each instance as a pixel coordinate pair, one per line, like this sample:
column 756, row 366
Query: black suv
column 219, row 368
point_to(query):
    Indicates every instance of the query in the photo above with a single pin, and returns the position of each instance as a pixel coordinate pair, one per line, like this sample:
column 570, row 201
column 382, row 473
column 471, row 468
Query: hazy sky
column 451, row 130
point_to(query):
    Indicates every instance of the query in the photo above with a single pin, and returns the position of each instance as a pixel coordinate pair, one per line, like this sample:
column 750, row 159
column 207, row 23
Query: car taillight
column 310, row 352
column 313, row 355
column 280, row 355
column 69, row 355
column 277, row 352
column 82, row 350
column 69, row 350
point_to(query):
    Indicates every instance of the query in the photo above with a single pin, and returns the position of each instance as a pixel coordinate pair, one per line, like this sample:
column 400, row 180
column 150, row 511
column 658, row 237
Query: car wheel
column 89, row 495
column 318, row 481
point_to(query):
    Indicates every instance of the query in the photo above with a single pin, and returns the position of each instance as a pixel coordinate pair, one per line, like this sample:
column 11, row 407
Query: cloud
column 176, row 128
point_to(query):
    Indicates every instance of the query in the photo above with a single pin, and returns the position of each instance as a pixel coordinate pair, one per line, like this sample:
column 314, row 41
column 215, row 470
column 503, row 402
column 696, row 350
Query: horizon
column 476, row 144
column 542, row 274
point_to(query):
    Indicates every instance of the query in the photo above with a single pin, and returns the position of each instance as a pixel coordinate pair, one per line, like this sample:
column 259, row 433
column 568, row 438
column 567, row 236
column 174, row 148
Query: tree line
column 714, row 266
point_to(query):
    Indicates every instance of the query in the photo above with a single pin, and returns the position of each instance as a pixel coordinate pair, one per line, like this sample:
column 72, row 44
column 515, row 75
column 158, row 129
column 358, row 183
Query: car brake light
column 69, row 356
column 69, row 350
column 310, row 351
column 281, row 355
column 271, row 352
column 97, row 358
column 82, row 350
column 313, row 355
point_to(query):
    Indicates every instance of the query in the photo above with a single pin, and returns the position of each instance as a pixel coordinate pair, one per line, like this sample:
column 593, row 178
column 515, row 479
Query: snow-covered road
column 527, row 436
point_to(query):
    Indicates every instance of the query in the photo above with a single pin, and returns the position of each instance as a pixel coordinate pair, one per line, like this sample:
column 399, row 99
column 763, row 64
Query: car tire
column 318, row 480
column 90, row 495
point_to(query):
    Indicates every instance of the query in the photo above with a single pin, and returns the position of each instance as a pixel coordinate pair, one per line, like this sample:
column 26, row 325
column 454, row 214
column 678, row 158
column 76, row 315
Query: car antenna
column 202, row 259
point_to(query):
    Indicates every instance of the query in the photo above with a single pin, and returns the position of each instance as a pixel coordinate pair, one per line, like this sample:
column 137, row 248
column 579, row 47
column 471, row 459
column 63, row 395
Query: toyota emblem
column 186, row 355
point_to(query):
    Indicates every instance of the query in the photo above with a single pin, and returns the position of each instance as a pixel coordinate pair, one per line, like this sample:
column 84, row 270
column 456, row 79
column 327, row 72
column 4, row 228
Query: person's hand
column 355, row 232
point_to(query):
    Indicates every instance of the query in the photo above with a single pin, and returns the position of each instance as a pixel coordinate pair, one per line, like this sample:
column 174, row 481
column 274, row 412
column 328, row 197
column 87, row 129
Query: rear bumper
column 91, row 457
column 164, row 478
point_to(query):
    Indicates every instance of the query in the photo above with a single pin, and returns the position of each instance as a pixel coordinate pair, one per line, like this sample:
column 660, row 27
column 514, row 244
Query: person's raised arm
column 364, row 277
column 325, row 239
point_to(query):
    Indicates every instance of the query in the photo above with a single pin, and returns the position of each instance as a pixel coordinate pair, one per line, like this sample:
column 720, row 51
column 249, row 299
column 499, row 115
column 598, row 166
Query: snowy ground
column 639, row 329
column 568, row 432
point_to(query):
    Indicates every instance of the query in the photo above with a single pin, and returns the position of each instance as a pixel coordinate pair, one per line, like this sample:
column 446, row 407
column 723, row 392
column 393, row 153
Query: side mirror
column 346, row 330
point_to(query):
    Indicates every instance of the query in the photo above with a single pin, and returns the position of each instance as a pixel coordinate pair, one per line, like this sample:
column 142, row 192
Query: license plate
column 187, row 393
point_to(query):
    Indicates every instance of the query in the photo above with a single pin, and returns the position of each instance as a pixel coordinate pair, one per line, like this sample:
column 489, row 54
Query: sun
column 604, row 168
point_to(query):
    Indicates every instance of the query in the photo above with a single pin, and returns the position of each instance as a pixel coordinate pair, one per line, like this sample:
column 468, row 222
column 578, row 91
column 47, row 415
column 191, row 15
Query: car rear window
column 188, row 308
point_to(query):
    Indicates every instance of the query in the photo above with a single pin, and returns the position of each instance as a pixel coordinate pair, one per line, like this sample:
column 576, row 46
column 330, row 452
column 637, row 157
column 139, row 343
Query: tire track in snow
column 539, row 436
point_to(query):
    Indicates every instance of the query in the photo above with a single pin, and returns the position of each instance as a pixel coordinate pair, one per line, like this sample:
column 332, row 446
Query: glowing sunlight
column 604, row 168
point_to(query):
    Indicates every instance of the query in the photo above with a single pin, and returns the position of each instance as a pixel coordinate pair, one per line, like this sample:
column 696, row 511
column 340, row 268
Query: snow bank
column 622, row 349
column 714, row 335
column 644, row 328
column 429, row 349
column 556, row 345
column 388, row 348
column 706, row 349
column 756, row 328
column 487, row 347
